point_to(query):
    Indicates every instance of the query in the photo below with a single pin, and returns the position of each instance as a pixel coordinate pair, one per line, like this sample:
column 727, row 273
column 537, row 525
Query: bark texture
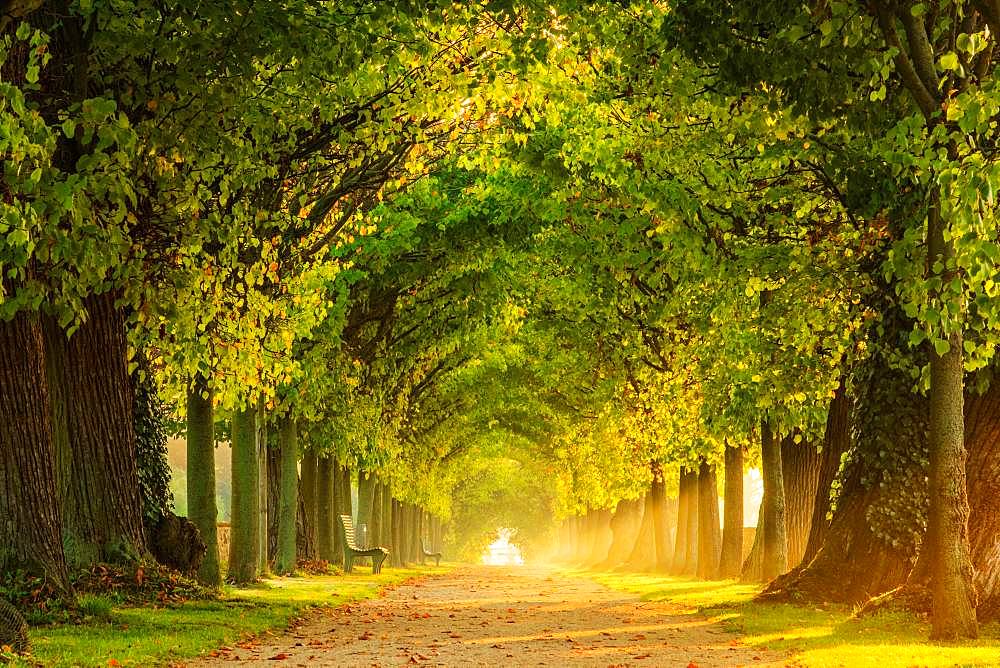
column 284, row 561
column 773, row 531
column 982, row 438
column 30, row 523
column 244, row 544
column 101, row 507
column 836, row 442
column 202, row 509
column 731, row 558
column 709, row 532
column 326, row 514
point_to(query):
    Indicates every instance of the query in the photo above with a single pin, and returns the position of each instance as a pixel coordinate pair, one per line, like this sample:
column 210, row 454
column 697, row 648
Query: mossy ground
column 812, row 636
column 152, row 636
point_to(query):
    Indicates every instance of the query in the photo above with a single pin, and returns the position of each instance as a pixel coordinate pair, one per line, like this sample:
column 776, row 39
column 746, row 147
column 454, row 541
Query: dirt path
column 490, row 616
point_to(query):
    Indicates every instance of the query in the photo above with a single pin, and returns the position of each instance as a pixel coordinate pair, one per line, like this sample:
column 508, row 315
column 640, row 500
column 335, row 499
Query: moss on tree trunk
column 284, row 562
column 326, row 514
column 244, row 545
column 201, row 501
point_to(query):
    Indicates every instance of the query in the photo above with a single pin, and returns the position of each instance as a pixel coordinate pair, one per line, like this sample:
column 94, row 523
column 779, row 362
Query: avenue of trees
column 570, row 268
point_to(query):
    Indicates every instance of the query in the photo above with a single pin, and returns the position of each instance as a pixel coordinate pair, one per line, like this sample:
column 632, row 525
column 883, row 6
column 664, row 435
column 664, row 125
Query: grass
column 813, row 636
column 147, row 636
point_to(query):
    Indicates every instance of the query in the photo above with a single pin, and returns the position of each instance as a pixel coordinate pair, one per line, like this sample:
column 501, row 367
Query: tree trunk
column 366, row 492
column 102, row 511
column 387, row 538
column 263, row 566
column 691, row 542
column 877, row 526
column 274, row 500
column 683, row 510
column 661, row 535
column 709, row 532
column 30, row 519
column 326, row 511
column 732, row 532
column 836, row 441
column 982, row 438
column 801, row 469
column 625, row 523
column 309, row 488
column 601, row 536
column 775, row 546
column 202, row 510
column 396, row 556
column 952, row 590
column 375, row 521
column 305, row 532
column 244, row 544
column 284, row 562
column 337, row 503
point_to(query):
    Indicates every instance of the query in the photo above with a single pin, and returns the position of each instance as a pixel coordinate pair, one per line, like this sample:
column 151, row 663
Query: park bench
column 428, row 553
column 351, row 549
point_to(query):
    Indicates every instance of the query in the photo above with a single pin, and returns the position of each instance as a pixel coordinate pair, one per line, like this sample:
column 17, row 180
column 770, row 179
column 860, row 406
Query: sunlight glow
column 502, row 552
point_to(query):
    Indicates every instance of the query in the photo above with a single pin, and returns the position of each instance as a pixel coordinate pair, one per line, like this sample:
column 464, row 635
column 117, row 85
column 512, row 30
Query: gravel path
column 492, row 616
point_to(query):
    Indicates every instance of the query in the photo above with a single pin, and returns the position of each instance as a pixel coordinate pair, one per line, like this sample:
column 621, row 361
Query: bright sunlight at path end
column 496, row 616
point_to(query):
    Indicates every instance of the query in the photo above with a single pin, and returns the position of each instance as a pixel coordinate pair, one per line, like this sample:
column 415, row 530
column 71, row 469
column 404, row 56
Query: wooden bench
column 351, row 549
column 428, row 553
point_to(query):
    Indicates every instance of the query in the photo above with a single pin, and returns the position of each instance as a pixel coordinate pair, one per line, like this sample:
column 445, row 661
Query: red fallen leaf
column 642, row 656
column 367, row 635
column 113, row 662
column 639, row 636
column 278, row 657
column 511, row 610
column 692, row 665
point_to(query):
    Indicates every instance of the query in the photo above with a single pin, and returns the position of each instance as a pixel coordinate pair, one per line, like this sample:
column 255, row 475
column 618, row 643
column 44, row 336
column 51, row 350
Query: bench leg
column 437, row 561
column 348, row 563
column 377, row 564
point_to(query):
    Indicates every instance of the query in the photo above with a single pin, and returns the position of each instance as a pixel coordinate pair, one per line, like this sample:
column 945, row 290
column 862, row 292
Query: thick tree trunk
column 601, row 536
column 30, row 519
column 263, row 534
column 326, row 511
column 309, row 488
column 375, row 521
column 661, row 530
column 284, row 562
column 244, row 544
column 952, row 590
column 366, row 492
column 836, row 441
column 801, row 467
column 305, row 532
column 337, row 503
column 683, row 510
column 982, row 438
column 395, row 555
column 709, row 532
column 387, row 539
column 273, row 500
column 731, row 559
column 773, row 506
column 202, row 509
column 691, row 542
column 102, row 511
column 624, row 525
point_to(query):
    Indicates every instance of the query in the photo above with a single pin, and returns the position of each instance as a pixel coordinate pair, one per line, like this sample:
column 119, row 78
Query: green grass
column 813, row 636
column 146, row 636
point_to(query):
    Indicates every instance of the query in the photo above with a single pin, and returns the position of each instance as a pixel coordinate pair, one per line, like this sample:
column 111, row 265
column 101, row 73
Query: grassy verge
column 147, row 636
column 814, row 636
